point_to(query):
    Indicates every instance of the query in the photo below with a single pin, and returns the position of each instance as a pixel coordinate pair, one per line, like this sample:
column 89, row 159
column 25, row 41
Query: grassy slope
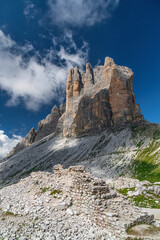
column 146, row 165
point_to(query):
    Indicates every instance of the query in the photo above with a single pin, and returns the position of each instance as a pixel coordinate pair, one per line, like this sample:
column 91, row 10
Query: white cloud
column 30, row 10
column 80, row 12
column 5, row 41
column 7, row 144
column 33, row 81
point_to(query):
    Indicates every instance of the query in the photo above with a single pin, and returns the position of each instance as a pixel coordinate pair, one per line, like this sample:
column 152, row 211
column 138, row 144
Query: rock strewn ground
column 69, row 204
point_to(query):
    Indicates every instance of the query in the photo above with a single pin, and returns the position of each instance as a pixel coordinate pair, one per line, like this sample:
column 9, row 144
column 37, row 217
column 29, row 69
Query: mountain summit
column 99, row 99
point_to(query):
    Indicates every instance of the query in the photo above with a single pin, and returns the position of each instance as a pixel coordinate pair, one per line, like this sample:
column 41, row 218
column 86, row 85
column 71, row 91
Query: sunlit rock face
column 28, row 140
column 99, row 99
column 95, row 100
column 48, row 125
column 45, row 127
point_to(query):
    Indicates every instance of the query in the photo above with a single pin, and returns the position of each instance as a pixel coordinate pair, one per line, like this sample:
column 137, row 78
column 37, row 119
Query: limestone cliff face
column 48, row 125
column 96, row 100
column 28, row 140
column 99, row 99
column 45, row 127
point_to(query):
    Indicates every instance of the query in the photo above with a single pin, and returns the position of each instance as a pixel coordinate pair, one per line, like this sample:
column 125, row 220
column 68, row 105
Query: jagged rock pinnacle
column 108, row 62
column 89, row 76
column 95, row 100
column 104, row 99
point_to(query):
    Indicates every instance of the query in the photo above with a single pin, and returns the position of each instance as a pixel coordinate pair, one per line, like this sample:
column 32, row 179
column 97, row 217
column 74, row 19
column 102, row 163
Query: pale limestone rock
column 106, row 99
column 108, row 62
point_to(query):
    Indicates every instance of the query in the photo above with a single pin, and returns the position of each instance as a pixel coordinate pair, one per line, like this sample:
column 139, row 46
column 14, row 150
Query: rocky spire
column 77, row 82
column 108, row 99
column 55, row 109
column 89, row 76
column 29, row 139
column 108, row 62
column 62, row 108
column 69, row 88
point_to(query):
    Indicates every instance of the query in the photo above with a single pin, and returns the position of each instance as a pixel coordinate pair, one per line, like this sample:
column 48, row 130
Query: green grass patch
column 43, row 190
column 146, row 201
column 42, row 142
column 55, row 191
column 139, row 144
column 8, row 213
column 138, row 129
column 146, row 171
column 146, row 166
column 125, row 191
column 156, row 134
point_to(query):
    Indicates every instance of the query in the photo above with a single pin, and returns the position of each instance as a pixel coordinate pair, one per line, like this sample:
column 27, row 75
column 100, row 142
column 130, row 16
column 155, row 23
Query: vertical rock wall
column 99, row 99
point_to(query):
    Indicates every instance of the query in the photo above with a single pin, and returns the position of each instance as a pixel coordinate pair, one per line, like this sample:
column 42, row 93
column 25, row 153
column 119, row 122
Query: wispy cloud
column 6, row 143
column 36, row 81
column 30, row 10
column 80, row 12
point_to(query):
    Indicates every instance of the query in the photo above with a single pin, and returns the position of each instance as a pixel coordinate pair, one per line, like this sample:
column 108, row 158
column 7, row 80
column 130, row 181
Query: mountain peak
column 108, row 62
column 100, row 99
column 96, row 100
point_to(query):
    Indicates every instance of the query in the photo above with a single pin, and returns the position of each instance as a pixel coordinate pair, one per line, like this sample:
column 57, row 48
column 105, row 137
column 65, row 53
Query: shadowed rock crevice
column 91, row 108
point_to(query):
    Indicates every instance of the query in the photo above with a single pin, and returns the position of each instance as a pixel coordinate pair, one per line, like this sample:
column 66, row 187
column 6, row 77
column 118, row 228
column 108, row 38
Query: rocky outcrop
column 28, row 140
column 48, row 125
column 45, row 128
column 99, row 99
column 96, row 100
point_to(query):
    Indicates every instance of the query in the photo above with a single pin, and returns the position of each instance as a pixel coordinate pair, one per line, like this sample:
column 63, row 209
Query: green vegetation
column 9, row 214
column 146, row 166
column 43, row 190
column 156, row 134
column 138, row 129
column 125, row 191
column 6, row 214
column 42, row 142
column 146, row 200
column 139, row 144
column 55, row 191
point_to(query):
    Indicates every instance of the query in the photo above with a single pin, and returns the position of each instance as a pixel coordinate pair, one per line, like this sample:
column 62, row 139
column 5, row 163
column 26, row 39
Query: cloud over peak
column 36, row 81
column 6, row 143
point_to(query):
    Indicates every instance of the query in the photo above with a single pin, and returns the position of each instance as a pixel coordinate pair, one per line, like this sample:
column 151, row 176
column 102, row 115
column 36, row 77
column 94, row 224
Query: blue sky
column 41, row 40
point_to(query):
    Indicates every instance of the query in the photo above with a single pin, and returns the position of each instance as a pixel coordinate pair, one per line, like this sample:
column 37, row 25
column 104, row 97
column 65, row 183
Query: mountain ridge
column 107, row 135
column 95, row 101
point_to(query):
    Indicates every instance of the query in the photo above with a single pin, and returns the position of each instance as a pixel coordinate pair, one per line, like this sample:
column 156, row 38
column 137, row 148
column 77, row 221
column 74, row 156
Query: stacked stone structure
column 95, row 199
